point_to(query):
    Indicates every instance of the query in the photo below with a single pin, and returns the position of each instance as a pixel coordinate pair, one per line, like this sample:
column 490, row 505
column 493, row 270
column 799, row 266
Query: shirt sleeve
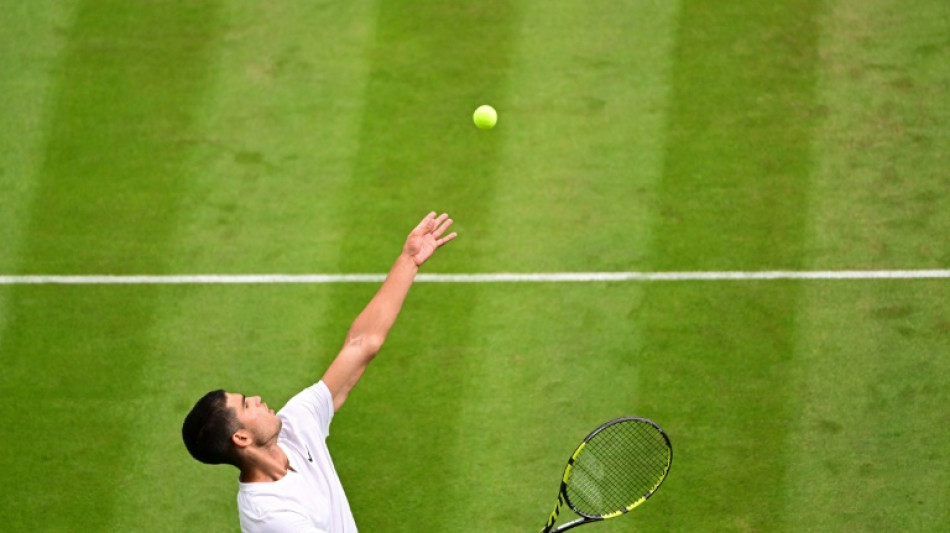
column 313, row 405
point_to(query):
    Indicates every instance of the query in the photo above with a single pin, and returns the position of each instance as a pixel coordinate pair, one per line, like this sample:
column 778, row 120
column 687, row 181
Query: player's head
column 223, row 426
column 208, row 429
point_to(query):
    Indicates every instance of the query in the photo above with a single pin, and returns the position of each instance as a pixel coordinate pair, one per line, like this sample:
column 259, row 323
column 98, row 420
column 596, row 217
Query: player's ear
column 241, row 438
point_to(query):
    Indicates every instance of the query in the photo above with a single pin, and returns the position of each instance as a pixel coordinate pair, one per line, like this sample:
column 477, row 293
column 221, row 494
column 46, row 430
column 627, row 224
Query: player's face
column 255, row 416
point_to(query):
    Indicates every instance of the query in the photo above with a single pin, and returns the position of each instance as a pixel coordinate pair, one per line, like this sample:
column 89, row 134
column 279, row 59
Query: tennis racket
column 617, row 467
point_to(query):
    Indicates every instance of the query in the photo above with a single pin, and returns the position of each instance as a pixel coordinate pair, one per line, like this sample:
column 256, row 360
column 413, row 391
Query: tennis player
column 287, row 482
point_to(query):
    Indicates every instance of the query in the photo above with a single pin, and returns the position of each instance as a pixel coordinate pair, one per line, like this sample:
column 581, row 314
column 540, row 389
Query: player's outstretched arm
column 368, row 332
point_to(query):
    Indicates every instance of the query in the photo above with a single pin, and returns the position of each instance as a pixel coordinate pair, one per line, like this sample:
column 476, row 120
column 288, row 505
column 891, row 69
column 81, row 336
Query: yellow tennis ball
column 485, row 117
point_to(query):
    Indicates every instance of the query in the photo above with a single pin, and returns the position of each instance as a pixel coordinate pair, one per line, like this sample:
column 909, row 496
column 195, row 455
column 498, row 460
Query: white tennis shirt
column 310, row 498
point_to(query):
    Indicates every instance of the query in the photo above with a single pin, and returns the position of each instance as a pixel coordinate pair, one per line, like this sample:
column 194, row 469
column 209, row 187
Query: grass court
column 177, row 137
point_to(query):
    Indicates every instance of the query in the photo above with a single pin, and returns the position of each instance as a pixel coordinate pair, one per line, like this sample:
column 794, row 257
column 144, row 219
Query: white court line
column 552, row 277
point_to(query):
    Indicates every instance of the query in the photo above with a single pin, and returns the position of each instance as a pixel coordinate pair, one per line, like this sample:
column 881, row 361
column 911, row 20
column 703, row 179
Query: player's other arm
column 368, row 332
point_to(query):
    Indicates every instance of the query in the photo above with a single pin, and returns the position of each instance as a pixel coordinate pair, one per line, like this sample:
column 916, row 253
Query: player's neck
column 265, row 464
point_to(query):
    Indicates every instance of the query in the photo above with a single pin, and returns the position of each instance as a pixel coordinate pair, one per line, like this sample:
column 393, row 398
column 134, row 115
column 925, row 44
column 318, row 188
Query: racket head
column 617, row 467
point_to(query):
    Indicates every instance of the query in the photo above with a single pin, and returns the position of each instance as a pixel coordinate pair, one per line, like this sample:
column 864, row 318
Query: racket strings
column 617, row 467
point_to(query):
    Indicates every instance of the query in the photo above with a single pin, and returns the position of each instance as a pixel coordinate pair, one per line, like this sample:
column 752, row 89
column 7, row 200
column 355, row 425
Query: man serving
column 287, row 482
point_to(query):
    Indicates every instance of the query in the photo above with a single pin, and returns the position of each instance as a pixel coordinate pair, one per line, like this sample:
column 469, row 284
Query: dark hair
column 208, row 429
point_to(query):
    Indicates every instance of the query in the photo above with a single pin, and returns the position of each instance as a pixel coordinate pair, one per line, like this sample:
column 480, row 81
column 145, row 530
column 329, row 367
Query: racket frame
column 586, row 518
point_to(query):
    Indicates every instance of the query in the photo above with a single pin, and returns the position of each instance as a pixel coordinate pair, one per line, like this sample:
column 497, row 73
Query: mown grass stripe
column 30, row 44
column 128, row 85
column 733, row 196
column 431, row 65
column 871, row 363
column 272, row 143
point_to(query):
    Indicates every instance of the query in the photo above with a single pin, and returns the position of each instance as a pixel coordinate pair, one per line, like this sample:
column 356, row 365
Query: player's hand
column 427, row 237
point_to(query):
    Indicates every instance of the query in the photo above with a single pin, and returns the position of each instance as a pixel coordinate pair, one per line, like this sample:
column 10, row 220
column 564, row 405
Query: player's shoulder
column 316, row 395
column 310, row 408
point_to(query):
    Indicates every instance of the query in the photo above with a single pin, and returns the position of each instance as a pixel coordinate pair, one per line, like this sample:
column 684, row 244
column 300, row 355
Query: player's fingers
column 441, row 224
column 426, row 223
column 447, row 238
column 439, row 220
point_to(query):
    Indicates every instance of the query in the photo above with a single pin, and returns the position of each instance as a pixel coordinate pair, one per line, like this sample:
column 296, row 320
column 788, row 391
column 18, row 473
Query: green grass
column 168, row 137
